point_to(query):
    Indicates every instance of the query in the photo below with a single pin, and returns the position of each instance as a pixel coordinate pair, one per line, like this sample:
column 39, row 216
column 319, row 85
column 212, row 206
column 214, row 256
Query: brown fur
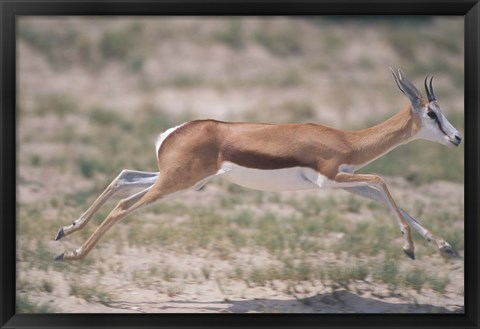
column 198, row 148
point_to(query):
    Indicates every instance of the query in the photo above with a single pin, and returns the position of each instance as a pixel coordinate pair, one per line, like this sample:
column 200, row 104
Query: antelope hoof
column 409, row 253
column 59, row 257
column 60, row 234
column 448, row 251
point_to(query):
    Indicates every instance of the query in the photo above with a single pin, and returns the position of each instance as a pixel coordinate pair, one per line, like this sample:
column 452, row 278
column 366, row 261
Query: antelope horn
column 431, row 89
column 429, row 94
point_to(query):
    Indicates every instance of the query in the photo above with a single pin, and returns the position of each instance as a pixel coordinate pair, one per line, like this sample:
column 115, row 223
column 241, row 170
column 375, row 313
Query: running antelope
column 281, row 157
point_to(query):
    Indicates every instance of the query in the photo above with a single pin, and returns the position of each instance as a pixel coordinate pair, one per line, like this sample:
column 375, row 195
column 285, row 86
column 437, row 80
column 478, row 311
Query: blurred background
column 94, row 93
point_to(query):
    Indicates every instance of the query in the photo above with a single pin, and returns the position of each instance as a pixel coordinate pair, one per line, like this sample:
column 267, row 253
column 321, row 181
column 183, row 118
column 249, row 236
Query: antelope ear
column 407, row 88
column 395, row 78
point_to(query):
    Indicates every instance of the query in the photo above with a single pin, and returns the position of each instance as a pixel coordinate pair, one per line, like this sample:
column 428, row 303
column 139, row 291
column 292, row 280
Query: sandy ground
column 199, row 281
column 219, row 294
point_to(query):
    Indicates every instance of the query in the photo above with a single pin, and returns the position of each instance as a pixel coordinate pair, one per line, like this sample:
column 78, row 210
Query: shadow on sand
column 337, row 302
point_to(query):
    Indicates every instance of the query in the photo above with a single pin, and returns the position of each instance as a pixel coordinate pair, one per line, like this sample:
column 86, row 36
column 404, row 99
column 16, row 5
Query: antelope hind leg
column 375, row 195
column 126, row 180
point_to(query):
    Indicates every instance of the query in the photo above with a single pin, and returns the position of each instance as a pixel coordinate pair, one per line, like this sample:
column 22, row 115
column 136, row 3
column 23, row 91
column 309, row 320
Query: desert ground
column 93, row 94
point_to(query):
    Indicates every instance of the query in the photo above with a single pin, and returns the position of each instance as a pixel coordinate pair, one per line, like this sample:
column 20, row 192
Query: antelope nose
column 456, row 140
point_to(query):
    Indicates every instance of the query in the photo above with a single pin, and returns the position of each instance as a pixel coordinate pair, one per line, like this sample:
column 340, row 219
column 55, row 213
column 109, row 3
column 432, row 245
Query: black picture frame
column 9, row 9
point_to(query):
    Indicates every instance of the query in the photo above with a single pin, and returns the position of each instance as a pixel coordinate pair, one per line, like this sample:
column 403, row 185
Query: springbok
column 279, row 157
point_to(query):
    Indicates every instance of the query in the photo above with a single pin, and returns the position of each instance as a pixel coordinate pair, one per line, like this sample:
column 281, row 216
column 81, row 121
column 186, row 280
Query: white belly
column 288, row 179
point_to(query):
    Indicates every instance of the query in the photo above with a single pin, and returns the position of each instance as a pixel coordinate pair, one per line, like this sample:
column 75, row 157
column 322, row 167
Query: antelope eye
column 432, row 115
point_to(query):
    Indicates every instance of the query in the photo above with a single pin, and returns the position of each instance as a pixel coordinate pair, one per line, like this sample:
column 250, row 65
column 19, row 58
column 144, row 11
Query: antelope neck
column 371, row 143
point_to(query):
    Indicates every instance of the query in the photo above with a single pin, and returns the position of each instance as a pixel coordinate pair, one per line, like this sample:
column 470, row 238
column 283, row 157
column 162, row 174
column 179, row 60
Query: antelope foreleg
column 354, row 180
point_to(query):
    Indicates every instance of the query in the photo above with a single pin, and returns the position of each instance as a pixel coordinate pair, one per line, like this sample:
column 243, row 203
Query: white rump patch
column 164, row 135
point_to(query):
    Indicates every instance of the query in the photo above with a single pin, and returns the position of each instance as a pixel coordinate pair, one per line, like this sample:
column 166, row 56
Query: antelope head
column 434, row 126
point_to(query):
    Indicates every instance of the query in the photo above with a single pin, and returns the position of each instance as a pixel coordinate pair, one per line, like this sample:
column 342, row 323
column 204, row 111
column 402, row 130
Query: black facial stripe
column 441, row 128
column 437, row 120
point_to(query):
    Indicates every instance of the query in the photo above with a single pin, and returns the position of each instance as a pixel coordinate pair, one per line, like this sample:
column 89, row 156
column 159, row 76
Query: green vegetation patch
column 232, row 35
column 57, row 104
column 120, row 43
column 24, row 304
column 279, row 43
